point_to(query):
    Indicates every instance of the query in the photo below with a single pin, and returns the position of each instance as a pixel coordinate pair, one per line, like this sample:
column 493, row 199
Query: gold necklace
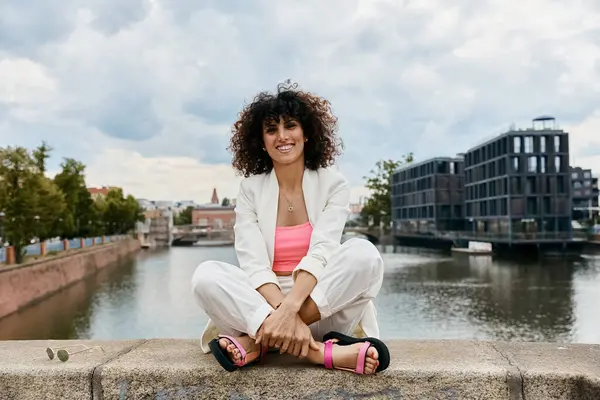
column 290, row 204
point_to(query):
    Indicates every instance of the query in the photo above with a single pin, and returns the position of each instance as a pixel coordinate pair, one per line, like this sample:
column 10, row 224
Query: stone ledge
column 177, row 369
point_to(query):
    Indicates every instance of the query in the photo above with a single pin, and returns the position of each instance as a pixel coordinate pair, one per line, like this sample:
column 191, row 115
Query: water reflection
column 69, row 313
column 424, row 295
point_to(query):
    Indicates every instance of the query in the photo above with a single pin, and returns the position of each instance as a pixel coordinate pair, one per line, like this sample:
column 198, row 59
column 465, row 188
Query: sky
column 144, row 92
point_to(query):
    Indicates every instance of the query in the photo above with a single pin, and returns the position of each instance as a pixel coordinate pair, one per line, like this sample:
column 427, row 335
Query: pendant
column 291, row 208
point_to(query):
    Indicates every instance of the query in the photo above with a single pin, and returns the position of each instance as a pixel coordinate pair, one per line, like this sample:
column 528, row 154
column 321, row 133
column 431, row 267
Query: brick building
column 99, row 193
column 216, row 217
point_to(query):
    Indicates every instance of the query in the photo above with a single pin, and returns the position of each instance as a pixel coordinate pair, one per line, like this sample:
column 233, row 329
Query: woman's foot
column 346, row 357
column 252, row 349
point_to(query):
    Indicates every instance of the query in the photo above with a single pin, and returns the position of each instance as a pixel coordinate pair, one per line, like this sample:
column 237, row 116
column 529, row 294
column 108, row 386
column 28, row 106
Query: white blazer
column 327, row 199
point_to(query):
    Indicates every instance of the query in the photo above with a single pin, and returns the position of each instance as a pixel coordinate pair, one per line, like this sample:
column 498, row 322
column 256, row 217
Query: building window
column 560, row 185
column 574, row 175
column 515, row 185
column 588, row 192
column 452, row 168
column 576, row 184
column 515, row 164
column 556, row 144
column 547, row 205
column 587, row 175
column 587, row 183
column 517, row 144
column 530, row 185
column 532, row 164
column 543, row 163
column 543, row 144
column 528, row 144
column 557, row 163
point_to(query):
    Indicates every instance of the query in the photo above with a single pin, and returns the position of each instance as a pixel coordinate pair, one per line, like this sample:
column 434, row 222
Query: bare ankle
column 316, row 356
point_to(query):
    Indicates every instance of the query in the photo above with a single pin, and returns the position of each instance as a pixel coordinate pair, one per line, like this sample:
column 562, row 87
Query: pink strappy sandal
column 340, row 339
column 223, row 357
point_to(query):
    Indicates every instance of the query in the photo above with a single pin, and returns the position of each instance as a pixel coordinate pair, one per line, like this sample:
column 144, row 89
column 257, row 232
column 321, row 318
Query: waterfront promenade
column 54, row 247
column 24, row 284
column 177, row 369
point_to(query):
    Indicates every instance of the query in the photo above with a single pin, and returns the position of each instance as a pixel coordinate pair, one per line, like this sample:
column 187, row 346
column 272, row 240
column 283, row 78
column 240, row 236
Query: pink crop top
column 291, row 244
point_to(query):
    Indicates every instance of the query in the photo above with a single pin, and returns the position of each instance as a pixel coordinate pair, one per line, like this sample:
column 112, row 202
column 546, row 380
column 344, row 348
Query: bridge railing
column 497, row 235
column 58, row 246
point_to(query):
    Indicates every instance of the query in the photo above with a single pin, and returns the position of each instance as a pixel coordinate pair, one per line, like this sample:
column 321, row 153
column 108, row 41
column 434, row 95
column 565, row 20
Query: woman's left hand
column 278, row 328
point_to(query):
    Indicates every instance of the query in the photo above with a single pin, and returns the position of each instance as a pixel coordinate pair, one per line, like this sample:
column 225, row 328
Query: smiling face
column 284, row 140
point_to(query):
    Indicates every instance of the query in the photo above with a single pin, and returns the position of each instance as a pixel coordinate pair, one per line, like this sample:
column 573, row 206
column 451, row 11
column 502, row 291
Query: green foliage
column 79, row 205
column 40, row 155
column 30, row 201
column 225, row 202
column 36, row 206
column 184, row 217
column 378, row 208
column 119, row 213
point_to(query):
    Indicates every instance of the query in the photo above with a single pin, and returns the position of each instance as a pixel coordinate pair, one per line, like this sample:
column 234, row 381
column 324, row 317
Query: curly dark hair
column 312, row 112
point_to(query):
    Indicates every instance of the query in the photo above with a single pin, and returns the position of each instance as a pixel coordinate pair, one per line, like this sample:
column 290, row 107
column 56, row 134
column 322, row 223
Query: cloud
column 585, row 143
column 174, row 175
column 160, row 82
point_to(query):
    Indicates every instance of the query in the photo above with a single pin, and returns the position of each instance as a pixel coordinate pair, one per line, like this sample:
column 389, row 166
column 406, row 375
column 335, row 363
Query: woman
column 296, row 282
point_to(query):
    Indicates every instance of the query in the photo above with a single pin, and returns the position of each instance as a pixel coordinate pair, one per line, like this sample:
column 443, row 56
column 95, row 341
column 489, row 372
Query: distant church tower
column 214, row 199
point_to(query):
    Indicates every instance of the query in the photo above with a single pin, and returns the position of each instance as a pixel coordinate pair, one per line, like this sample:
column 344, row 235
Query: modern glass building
column 518, row 184
column 585, row 194
column 427, row 197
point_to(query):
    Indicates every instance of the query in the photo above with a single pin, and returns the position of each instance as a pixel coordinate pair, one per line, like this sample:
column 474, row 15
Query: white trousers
column 343, row 294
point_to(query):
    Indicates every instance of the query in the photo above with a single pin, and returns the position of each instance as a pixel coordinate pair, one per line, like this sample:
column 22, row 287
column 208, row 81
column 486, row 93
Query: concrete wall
column 25, row 284
column 177, row 369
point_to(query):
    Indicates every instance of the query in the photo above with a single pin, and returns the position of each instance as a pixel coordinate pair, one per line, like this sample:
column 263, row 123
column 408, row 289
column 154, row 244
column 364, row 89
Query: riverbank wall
column 177, row 369
column 25, row 284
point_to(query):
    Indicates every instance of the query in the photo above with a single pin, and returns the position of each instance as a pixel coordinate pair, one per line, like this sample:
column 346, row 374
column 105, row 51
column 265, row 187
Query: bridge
column 373, row 235
column 187, row 235
column 525, row 242
column 449, row 239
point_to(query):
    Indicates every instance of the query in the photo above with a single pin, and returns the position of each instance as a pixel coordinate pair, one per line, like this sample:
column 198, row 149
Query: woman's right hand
column 302, row 341
column 278, row 328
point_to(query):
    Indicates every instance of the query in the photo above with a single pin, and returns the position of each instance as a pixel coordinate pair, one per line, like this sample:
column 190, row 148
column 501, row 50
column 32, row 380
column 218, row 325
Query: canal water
column 424, row 296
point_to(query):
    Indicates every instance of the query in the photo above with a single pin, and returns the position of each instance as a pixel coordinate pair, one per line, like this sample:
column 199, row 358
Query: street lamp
column 59, row 228
column 2, row 215
column 37, row 227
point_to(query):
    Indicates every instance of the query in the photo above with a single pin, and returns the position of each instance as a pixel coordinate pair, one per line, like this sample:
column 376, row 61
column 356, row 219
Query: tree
column 134, row 212
column 79, row 217
column 19, row 197
column 37, row 206
column 378, row 208
column 40, row 155
column 225, row 202
column 184, row 217
column 50, row 207
column 119, row 213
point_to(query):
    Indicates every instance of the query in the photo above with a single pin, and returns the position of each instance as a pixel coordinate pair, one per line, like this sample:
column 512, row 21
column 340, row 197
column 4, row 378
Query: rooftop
column 412, row 165
column 540, row 126
column 214, row 207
